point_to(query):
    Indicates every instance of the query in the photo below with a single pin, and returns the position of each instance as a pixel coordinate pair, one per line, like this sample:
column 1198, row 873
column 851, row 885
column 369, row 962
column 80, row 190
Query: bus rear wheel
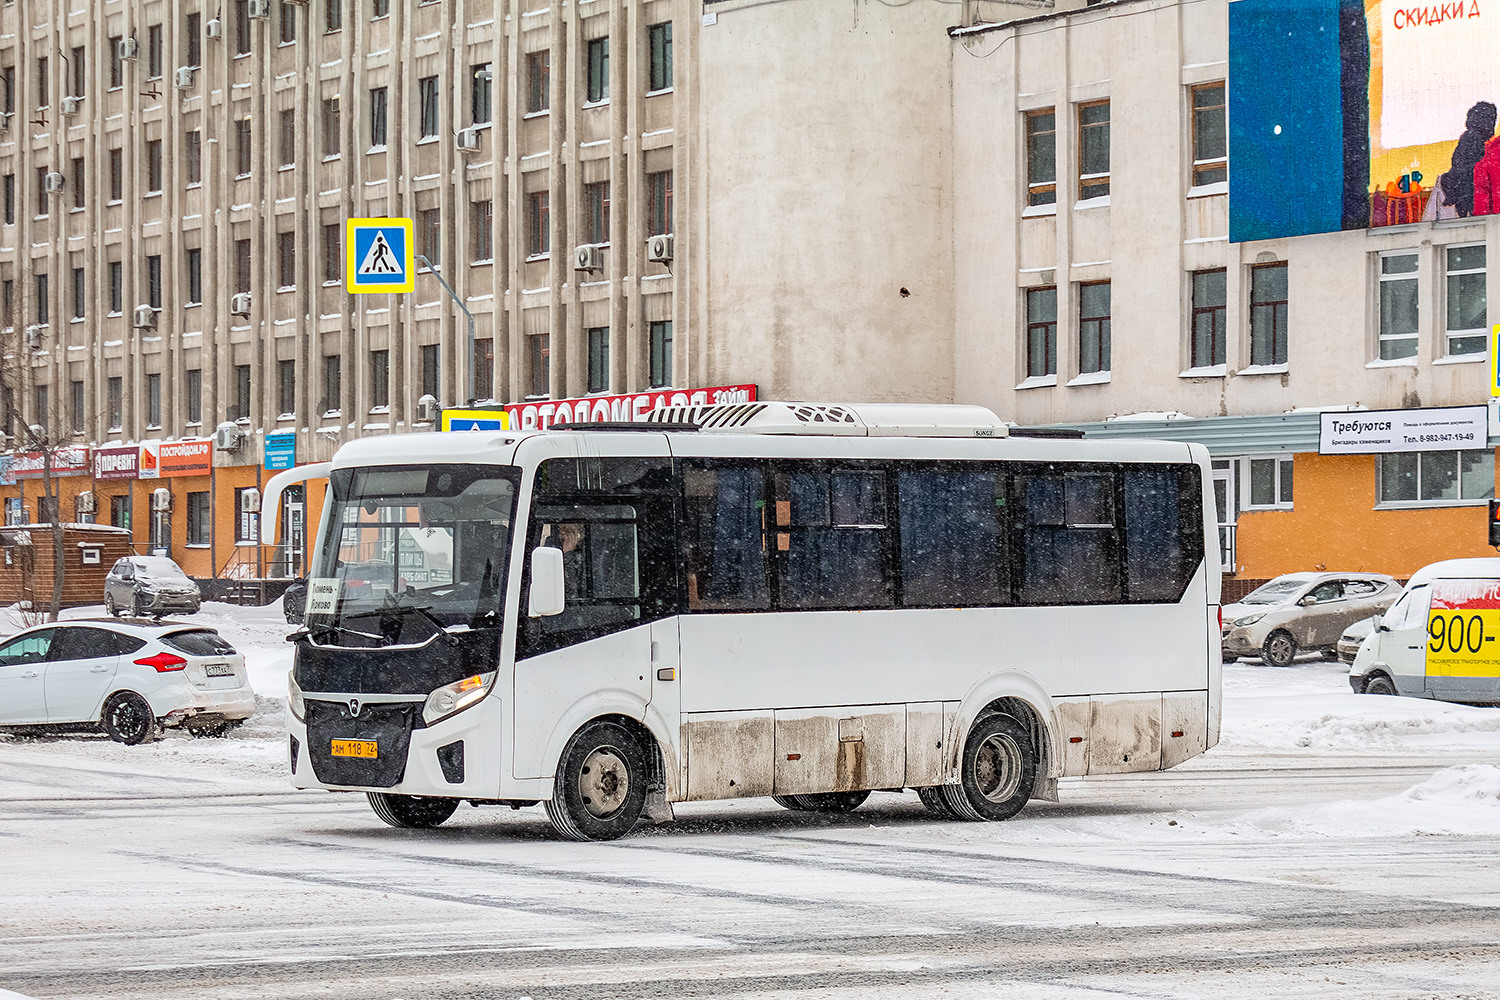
column 412, row 812
column 601, row 783
column 998, row 771
column 831, row 802
column 936, row 802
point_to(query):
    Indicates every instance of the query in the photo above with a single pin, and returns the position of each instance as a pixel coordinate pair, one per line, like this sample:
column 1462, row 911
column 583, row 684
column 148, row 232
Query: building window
column 10, row 199
column 114, row 394
column 195, row 395
column 1041, row 157
column 334, row 16
column 380, row 378
column 1467, row 312
column 1093, row 327
column 116, row 65
column 1267, row 483
column 1431, row 477
column 43, row 312
column 659, row 203
column 153, row 399
column 1398, row 305
column 1210, row 314
column 286, row 260
column 1210, row 142
column 333, row 249
column 598, row 70
column 286, row 388
column 1041, row 332
column 241, row 408
column 538, row 81
column 42, row 208
column 199, row 525
column 246, row 522
column 430, row 370
column 244, row 153
column 77, row 405
column 430, row 236
column 193, row 258
column 1093, row 150
column 242, row 265
column 380, row 8
column 539, row 365
column 192, row 157
column 153, row 280
column 116, row 175
column 660, row 364
column 43, row 99
column 40, row 406
column 484, row 368
column 242, row 27
column 427, row 95
column 480, row 77
column 8, row 308
column 192, row 40
column 288, row 22
column 538, row 224
column 77, row 182
column 80, row 292
column 596, row 212
column 78, row 64
column 598, row 359
column 153, row 165
column 288, row 137
column 660, row 39
column 154, row 60
column 1268, row 314
column 482, row 225
column 116, row 287
column 377, row 117
column 331, row 137
column 333, row 384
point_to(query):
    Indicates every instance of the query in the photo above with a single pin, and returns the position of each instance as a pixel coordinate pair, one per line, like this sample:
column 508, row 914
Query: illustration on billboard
column 1354, row 114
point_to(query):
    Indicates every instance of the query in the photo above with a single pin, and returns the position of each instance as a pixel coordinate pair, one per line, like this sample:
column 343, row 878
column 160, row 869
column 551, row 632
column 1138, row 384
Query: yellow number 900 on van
column 1440, row 640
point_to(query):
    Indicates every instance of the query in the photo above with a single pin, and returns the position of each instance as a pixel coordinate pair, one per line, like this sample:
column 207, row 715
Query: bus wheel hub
column 603, row 782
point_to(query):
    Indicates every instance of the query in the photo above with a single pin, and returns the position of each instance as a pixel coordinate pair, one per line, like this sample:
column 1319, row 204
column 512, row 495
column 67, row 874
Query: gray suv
column 1303, row 611
column 150, row 585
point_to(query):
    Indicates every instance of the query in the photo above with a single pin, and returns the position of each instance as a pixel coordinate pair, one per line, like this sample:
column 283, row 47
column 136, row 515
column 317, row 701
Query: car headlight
column 1248, row 620
column 452, row 698
column 294, row 698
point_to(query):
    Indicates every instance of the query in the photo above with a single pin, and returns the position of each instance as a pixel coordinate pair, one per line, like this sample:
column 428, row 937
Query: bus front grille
column 387, row 726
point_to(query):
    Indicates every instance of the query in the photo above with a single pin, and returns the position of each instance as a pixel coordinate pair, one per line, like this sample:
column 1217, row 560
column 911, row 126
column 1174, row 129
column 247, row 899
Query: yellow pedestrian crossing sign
column 380, row 255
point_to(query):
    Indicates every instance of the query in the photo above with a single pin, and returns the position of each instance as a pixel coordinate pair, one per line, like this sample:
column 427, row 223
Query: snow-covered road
column 1332, row 845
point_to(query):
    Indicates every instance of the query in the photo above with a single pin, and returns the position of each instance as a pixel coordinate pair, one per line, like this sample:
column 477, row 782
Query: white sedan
column 130, row 679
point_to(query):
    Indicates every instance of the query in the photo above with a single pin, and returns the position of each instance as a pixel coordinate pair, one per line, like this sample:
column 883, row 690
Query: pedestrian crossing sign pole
column 380, row 255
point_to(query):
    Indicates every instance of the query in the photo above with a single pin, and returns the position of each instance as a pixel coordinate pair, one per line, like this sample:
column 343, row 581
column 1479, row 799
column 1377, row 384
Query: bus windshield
column 410, row 550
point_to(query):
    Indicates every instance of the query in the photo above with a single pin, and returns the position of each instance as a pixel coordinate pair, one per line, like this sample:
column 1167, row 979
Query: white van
column 1440, row 640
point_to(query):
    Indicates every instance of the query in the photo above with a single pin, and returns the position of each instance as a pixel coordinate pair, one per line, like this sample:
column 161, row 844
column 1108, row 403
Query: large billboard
column 1354, row 114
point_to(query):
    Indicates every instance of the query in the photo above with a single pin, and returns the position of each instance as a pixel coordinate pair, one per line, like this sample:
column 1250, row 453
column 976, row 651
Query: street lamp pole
column 467, row 315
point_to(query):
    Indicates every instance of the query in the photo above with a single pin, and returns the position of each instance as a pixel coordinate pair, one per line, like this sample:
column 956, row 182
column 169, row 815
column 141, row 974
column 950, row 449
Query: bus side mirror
column 546, row 596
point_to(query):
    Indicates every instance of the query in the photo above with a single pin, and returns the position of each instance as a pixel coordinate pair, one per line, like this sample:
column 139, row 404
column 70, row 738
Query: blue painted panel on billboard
column 281, row 450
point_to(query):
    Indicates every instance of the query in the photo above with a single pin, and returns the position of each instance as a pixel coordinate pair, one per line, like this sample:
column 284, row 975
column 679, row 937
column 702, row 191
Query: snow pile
column 1457, row 801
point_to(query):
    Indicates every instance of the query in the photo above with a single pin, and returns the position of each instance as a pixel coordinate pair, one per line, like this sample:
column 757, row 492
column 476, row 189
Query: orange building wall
column 1334, row 526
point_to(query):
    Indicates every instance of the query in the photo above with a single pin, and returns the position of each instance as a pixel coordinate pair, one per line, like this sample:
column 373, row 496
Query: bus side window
column 1163, row 531
column 724, row 536
column 951, row 535
column 832, row 537
column 1068, row 545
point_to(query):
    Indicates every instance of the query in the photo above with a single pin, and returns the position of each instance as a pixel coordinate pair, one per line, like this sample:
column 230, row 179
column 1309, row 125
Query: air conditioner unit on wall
column 214, row 28
column 184, row 77
column 128, row 47
column 161, row 499
column 467, row 138
column 659, row 249
column 587, row 257
column 250, row 501
column 34, row 335
column 428, row 410
column 239, row 304
column 54, row 181
column 260, row 9
column 71, row 105
column 228, row 437
column 84, row 502
column 145, row 318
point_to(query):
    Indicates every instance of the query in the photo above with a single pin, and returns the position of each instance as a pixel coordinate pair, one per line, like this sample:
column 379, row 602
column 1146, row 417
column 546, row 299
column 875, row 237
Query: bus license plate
column 354, row 748
column 218, row 670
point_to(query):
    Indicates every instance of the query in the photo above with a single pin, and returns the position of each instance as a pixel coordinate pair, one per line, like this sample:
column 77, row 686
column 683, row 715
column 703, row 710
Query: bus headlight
column 294, row 698
column 456, row 697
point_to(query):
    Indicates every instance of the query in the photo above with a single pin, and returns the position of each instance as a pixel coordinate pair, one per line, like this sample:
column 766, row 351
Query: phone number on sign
column 1465, row 438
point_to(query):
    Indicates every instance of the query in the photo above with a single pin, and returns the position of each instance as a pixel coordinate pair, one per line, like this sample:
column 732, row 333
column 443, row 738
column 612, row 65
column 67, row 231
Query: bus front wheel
column 998, row 771
column 601, row 783
column 413, row 812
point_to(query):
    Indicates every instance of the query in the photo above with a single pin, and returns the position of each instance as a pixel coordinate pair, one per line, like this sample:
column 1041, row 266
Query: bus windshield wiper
column 401, row 610
column 323, row 631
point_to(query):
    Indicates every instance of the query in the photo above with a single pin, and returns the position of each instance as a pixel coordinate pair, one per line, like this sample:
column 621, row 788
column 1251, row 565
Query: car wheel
column 791, row 802
column 1379, row 684
column 133, row 609
column 1280, row 649
column 109, row 606
column 212, row 730
column 127, row 719
column 832, row 802
column 998, row 770
column 412, row 812
column 601, row 783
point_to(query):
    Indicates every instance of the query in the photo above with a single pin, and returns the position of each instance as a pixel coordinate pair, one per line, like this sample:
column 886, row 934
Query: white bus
column 807, row 602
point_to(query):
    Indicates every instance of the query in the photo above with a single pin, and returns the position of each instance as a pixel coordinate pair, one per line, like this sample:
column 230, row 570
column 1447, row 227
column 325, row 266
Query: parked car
column 294, row 601
column 1354, row 637
column 128, row 678
column 1440, row 639
column 150, row 585
column 1302, row 611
